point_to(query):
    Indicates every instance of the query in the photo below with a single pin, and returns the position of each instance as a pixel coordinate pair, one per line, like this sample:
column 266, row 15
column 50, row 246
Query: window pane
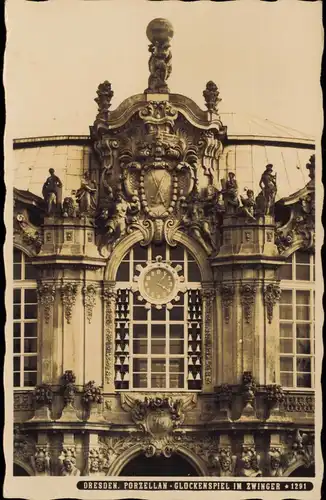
column 140, row 313
column 30, row 272
column 140, row 380
column 303, row 380
column 286, row 346
column 140, row 331
column 16, row 364
column 30, row 363
column 286, row 312
column 303, row 297
column 177, row 314
column 286, row 364
column 16, row 329
column 285, row 272
column 303, row 273
column 287, row 379
column 176, row 381
column 17, row 255
column 158, row 365
column 30, row 312
column 302, row 257
column 158, row 346
column 123, row 272
column 176, row 346
column 30, row 379
column 303, row 364
column 286, row 330
column 30, row 329
column 303, row 346
column 140, row 365
column 17, row 312
column 176, row 331
column 177, row 253
column 30, row 345
column 140, row 253
column 158, row 331
column 193, row 272
column 303, row 313
column 303, row 330
column 158, row 381
column 17, row 345
column 17, row 272
column 140, row 346
column 158, row 250
column 158, row 314
column 30, row 296
column 176, row 365
column 286, row 297
column 17, row 296
column 16, row 379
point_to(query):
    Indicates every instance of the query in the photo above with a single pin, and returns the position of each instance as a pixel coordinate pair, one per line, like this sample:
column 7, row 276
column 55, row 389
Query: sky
column 264, row 57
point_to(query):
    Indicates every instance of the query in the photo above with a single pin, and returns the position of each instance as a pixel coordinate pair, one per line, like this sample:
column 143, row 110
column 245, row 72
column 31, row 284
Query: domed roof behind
column 243, row 124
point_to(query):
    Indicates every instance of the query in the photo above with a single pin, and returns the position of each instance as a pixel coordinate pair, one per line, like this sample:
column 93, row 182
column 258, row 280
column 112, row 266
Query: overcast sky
column 265, row 58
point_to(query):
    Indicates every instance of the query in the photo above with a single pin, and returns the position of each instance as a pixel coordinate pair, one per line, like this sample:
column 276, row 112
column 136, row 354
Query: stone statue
column 159, row 32
column 52, row 193
column 230, row 194
column 266, row 198
column 69, row 467
column 86, row 196
column 68, row 207
column 248, row 204
column 41, row 462
column 249, row 463
column 198, row 226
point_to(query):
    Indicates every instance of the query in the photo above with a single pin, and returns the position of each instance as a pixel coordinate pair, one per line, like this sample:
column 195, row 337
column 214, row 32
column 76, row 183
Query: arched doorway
column 158, row 466
column 19, row 471
column 303, row 472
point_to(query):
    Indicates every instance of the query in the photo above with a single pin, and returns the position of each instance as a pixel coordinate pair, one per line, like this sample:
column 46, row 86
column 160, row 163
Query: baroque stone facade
column 156, row 180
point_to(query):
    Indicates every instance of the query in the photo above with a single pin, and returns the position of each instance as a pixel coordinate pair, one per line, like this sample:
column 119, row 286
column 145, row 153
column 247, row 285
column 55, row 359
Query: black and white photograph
column 163, row 217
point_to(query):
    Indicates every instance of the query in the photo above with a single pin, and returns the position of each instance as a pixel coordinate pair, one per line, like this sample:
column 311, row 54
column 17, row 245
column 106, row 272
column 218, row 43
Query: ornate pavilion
column 163, row 316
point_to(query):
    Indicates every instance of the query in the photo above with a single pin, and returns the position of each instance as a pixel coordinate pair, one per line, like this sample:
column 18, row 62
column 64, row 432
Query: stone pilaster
column 208, row 297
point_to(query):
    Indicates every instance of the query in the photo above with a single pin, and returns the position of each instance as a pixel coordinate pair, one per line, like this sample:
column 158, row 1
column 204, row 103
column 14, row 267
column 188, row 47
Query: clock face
column 159, row 284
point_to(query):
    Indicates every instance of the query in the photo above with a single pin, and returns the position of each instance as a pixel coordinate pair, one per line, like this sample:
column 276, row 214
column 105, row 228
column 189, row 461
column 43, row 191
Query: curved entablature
column 135, row 237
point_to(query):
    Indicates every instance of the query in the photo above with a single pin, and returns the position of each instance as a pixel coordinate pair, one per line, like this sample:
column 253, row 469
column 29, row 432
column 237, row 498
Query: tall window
column 297, row 321
column 25, row 322
column 158, row 348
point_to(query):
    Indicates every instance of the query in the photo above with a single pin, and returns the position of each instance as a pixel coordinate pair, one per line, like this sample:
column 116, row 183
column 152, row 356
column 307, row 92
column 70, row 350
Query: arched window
column 297, row 321
column 158, row 348
column 25, row 321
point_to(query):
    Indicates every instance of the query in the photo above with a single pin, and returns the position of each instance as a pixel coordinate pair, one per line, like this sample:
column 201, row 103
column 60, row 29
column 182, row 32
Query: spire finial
column 159, row 32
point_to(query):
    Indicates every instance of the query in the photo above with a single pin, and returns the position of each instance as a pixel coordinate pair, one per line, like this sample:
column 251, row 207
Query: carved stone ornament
column 89, row 292
column 298, row 403
column 109, row 300
column 43, row 395
column 211, row 96
column 68, row 380
column 302, row 448
column 68, row 297
column 103, row 100
column 46, row 296
column 208, row 295
column 225, row 461
column 23, row 401
column 29, row 234
column 159, row 32
column 92, row 393
column 158, row 416
column 98, row 462
column 224, row 400
column 158, row 283
column 67, row 460
column 248, row 464
column 272, row 294
column 24, row 446
column 248, row 294
column 227, row 295
column 277, row 461
column 41, row 461
column 248, row 390
column 69, row 207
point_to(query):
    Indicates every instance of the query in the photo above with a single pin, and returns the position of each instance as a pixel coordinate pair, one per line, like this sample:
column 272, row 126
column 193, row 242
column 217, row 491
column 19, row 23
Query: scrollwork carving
column 68, row 297
column 109, row 297
column 247, row 294
column 89, row 293
column 46, row 296
column 272, row 294
column 208, row 295
column 227, row 295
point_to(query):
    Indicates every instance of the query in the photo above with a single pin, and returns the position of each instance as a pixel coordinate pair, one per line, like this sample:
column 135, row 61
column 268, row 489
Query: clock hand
column 162, row 286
